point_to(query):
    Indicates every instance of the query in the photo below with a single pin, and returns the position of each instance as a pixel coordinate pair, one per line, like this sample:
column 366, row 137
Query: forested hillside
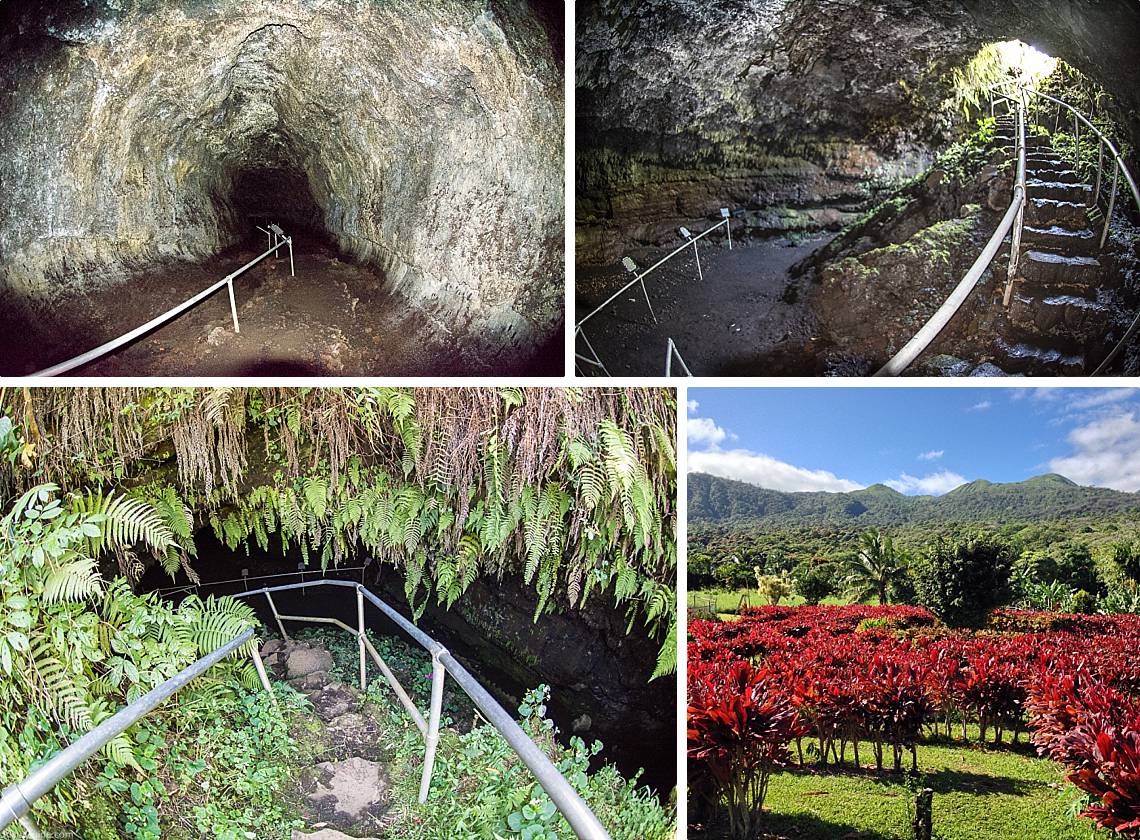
column 1042, row 498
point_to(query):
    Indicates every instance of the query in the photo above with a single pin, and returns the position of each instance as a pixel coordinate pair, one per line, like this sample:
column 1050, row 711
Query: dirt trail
column 331, row 319
column 747, row 318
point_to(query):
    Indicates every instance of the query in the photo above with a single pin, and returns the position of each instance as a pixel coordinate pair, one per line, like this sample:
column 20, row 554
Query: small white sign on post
column 724, row 214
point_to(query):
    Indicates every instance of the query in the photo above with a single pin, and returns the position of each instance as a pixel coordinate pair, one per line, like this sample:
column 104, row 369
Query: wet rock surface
column 425, row 139
column 744, row 316
column 345, row 788
column 684, row 107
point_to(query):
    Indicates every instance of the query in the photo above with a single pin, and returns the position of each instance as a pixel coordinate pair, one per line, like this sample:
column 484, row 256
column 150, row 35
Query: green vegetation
column 480, row 789
column 962, row 582
column 571, row 491
column 1039, row 501
column 876, row 570
column 75, row 648
column 1082, row 558
column 979, row 795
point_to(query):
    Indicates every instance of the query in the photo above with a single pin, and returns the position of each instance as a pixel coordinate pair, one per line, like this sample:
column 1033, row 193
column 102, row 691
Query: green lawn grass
column 728, row 600
column 978, row 795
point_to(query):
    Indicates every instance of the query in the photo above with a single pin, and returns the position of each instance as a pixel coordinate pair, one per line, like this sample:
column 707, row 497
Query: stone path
column 344, row 789
column 1064, row 296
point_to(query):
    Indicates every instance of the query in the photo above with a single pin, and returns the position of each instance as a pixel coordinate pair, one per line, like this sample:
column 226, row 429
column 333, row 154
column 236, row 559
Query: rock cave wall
column 797, row 110
column 423, row 138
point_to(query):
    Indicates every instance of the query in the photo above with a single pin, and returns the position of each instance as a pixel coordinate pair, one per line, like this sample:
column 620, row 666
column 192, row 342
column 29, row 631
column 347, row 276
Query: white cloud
column 981, row 406
column 765, row 471
column 1106, row 453
column 1096, row 397
column 932, row 455
column 693, row 405
column 704, row 431
column 933, row 484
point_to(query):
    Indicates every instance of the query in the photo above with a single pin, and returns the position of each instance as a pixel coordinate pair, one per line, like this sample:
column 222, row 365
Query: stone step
column 1066, row 323
column 1032, row 142
column 1023, row 357
column 1060, row 190
column 1057, row 173
column 1050, row 270
column 1062, row 240
column 1045, row 212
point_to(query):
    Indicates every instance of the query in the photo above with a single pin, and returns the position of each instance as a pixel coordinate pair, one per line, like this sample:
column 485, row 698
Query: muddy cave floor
column 331, row 319
column 748, row 318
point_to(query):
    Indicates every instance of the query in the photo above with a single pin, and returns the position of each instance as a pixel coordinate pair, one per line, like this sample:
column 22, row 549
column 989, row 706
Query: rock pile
column 345, row 789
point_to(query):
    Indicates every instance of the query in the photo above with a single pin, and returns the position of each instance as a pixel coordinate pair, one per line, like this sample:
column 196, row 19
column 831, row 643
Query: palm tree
column 877, row 565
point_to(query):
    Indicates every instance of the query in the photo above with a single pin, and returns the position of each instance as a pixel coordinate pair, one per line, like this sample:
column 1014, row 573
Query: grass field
column 728, row 601
column 978, row 795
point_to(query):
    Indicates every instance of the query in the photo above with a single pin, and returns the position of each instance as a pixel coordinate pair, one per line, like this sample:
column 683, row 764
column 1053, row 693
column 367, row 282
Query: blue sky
column 917, row 440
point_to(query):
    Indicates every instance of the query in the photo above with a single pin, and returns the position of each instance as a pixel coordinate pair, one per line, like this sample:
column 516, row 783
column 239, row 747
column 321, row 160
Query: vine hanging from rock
column 574, row 490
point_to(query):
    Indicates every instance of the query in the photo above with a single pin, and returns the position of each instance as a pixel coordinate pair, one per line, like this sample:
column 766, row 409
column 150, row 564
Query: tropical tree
column 875, row 568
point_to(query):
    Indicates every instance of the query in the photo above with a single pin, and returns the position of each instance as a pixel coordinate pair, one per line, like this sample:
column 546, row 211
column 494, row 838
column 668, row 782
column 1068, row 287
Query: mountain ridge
column 1044, row 497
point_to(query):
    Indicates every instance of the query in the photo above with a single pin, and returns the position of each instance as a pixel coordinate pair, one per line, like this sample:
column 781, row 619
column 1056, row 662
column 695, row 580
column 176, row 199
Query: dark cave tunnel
column 419, row 146
column 598, row 674
column 276, row 194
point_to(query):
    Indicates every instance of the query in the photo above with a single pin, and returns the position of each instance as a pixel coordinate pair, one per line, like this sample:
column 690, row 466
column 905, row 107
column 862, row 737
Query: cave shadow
column 280, row 366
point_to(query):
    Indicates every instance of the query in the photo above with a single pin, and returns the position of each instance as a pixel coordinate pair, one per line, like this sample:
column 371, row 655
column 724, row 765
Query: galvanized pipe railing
column 1119, row 168
column 281, row 241
column 671, row 351
column 16, row 799
column 1012, row 220
column 577, row 813
column 639, row 279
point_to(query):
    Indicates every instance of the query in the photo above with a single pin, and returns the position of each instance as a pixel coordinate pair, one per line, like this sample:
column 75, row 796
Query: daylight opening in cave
column 866, row 154
column 414, row 152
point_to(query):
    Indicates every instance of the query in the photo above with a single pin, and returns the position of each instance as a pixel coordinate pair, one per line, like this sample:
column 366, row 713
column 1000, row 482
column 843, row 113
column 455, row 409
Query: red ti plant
column 740, row 726
column 1095, row 730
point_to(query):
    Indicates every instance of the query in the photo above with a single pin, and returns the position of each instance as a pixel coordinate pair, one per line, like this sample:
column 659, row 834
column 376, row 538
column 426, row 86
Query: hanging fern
column 571, row 490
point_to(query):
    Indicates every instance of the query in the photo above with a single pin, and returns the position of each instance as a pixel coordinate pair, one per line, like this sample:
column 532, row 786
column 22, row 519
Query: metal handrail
column 1014, row 214
column 171, row 314
column 594, row 360
column 1119, row 168
column 16, row 799
column 577, row 813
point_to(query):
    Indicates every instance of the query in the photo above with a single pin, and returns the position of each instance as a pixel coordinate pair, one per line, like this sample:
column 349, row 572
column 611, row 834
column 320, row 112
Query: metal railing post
column 292, row 273
column 360, row 638
column 431, row 740
column 1077, row 142
column 646, row 293
column 1111, row 204
column 1019, row 187
column 277, row 616
column 697, row 256
column 31, row 827
column 233, row 304
column 1095, row 197
column 596, row 360
column 261, row 675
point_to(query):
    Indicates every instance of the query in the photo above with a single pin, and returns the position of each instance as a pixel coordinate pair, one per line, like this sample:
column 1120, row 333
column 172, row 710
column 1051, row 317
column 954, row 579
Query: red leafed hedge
column 843, row 677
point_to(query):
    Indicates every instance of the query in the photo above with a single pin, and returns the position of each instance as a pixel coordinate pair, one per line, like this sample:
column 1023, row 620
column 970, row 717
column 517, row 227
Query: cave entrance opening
column 495, row 661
